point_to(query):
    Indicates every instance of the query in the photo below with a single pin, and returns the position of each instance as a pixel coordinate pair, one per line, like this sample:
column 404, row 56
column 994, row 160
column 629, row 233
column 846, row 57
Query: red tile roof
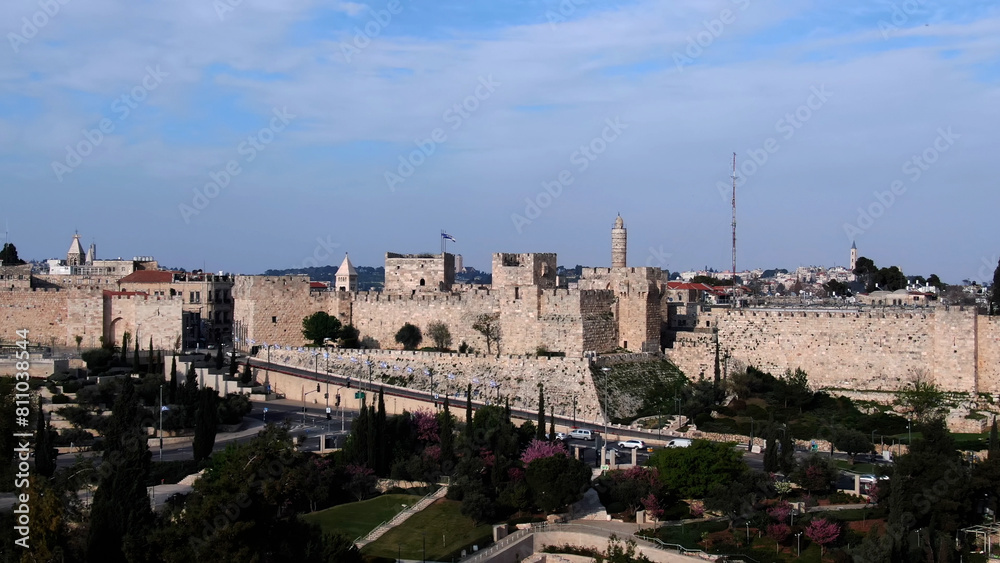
column 148, row 276
column 318, row 285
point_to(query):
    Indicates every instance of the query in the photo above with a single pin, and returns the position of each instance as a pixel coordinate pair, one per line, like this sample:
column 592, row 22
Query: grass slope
column 445, row 529
column 358, row 518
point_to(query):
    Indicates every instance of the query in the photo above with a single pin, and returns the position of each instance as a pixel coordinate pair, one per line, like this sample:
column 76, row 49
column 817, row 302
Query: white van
column 679, row 443
column 581, row 434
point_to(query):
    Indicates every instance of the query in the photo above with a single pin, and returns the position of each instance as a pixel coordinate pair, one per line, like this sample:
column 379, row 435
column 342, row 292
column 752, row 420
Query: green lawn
column 443, row 528
column 358, row 518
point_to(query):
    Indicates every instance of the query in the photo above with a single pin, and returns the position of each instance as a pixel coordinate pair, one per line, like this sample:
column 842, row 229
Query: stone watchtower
column 76, row 256
column 619, row 244
column 347, row 276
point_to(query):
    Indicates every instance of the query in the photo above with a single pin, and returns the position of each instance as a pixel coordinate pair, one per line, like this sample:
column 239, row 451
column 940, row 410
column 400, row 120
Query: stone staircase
column 401, row 517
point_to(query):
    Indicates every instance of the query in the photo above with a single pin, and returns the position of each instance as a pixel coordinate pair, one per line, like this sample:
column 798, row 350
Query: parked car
column 581, row 434
column 632, row 444
column 560, row 436
column 679, row 443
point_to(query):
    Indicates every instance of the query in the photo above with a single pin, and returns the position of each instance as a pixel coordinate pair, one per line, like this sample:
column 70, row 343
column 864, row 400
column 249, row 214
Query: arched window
column 422, row 282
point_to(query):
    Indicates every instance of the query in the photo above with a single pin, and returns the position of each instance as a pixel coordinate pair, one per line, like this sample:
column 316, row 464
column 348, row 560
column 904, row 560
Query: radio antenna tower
column 733, row 286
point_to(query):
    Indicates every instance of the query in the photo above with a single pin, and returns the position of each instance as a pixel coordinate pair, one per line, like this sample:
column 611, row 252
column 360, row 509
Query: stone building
column 207, row 301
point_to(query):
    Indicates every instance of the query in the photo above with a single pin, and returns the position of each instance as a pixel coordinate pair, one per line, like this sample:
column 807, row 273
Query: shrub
column 60, row 399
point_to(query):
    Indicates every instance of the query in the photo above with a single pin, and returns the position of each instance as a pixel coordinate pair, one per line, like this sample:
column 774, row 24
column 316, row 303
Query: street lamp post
column 574, row 410
column 798, row 545
column 605, row 370
column 304, row 393
column 161, row 422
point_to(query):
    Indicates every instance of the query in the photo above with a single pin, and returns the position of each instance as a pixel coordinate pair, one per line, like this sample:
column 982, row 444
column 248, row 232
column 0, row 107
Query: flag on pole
column 446, row 236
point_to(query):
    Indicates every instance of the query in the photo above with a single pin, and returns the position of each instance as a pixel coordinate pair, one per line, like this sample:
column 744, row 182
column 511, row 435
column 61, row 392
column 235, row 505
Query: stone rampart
column 517, row 377
column 955, row 349
column 53, row 317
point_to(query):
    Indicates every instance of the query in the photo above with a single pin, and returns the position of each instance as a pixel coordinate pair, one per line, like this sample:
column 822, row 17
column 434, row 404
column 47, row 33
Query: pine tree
column 173, row 380
column 120, row 516
column 206, row 423
column 540, row 426
column 995, row 292
column 45, row 453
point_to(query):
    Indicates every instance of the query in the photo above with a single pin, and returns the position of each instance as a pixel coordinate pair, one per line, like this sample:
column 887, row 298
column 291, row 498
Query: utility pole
column 733, row 296
column 161, row 422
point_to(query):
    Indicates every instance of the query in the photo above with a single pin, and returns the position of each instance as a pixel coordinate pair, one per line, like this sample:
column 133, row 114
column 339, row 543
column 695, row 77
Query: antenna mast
column 733, row 286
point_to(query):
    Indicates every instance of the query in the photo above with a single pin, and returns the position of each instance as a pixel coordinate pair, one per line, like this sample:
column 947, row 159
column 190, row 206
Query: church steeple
column 76, row 256
column 347, row 275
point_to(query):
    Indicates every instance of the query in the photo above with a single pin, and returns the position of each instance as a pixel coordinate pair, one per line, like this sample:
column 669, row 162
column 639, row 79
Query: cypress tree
column 150, row 365
column 120, row 516
column 234, row 367
column 552, row 425
column 771, row 461
column 206, row 423
column 994, row 441
column 173, row 380
column 135, row 357
column 468, row 409
column 540, row 426
column 447, row 434
column 787, row 460
column 372, row 437
column 247, row 374
column 381, row 439
column 45, row 453
column 218, row 359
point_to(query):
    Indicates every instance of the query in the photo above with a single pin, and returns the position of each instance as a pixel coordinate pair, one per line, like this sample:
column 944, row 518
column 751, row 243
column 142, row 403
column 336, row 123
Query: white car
column 632, row 444
column 581, row 434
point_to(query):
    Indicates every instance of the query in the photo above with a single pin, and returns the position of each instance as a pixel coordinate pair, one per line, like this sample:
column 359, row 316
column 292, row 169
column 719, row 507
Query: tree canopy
column 692, row 471
column 409, row 336
column 319, row 326
column 9, row 257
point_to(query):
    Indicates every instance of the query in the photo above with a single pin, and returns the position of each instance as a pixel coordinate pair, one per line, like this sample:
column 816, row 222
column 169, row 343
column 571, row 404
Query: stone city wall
column 53, row 317
column 271, row 309
column 145, row 317
column 565, row 379
column 850, row 350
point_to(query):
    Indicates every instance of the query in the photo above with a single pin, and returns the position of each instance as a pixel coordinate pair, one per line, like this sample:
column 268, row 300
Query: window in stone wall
column 274, row 320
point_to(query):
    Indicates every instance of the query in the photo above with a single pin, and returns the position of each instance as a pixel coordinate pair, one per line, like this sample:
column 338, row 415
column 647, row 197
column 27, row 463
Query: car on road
column 581, row 434
column 561, row 436
column 679, row 443
column 632, row 444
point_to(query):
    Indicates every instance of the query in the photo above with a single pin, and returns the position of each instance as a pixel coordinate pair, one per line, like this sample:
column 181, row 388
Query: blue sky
column 367, row 127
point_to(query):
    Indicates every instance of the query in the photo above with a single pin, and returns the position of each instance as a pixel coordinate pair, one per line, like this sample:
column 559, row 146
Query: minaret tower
column 854, row 255
column 619, row 244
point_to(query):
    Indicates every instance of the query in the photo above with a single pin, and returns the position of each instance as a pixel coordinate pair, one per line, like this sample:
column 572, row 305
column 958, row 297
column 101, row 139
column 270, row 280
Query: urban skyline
column 248, row 138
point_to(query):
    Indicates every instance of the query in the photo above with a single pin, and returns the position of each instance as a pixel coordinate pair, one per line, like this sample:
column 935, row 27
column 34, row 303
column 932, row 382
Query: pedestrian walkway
column 401, row 517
